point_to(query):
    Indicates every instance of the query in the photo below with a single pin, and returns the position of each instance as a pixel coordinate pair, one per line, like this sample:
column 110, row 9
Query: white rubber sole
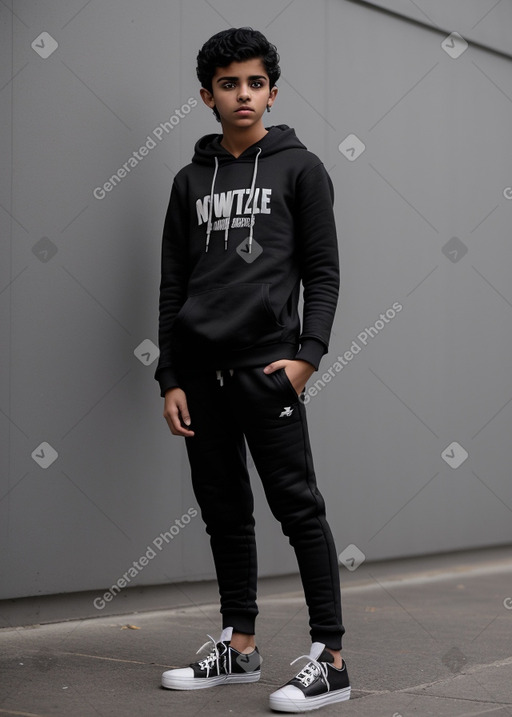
column 174, row 682
column 281, row 703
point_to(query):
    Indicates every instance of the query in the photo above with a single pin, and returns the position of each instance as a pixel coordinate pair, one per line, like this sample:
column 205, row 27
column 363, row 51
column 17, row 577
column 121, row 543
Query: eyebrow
column 252, row 77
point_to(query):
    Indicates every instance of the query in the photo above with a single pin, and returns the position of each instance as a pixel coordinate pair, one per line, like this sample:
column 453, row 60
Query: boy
column 248, row 220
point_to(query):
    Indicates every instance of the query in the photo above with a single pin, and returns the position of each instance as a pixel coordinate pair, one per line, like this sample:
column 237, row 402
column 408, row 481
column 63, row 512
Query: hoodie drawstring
column 251, row 197
column 209, row 225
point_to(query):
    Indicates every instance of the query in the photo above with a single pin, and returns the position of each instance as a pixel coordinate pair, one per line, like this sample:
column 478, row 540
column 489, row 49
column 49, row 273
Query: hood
column 209, row 151
column 277, row 139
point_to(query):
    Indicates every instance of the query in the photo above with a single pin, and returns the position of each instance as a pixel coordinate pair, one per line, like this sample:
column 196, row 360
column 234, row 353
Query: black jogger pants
column 224, row 407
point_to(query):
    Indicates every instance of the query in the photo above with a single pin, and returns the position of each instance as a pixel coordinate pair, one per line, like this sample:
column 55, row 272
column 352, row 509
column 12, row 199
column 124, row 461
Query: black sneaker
column 319, row 683
column 224, row 665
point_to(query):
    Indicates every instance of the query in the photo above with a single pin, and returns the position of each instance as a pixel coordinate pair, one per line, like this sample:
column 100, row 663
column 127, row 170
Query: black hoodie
column 240, row 235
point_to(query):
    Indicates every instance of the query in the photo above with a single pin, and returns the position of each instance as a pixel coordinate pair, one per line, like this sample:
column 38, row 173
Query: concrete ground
column 425, row 636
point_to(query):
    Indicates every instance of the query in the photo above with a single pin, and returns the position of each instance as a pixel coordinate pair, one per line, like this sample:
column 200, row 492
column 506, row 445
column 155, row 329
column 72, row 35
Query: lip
column 244, row 110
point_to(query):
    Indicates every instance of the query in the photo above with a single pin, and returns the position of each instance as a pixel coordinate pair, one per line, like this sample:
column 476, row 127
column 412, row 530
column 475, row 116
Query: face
column 240, row 92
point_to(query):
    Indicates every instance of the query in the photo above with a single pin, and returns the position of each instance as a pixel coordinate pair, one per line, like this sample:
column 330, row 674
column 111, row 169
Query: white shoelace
column 212, row 659
column 311, row 671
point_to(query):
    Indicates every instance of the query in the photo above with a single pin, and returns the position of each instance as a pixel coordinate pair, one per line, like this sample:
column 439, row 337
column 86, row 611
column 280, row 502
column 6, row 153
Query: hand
column 176, row 411
column 299, row 372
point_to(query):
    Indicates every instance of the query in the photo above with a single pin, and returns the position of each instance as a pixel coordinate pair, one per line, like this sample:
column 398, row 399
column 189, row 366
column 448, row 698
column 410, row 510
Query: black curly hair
column 236, row 45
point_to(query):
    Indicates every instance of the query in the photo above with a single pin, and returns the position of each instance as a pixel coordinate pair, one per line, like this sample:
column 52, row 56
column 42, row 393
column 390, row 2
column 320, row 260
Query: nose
column 243, row 93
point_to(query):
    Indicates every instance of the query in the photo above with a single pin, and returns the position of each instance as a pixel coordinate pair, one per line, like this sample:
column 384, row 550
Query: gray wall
column 424, row 223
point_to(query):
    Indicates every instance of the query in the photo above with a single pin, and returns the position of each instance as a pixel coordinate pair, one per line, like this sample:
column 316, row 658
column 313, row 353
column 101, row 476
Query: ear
column 272, row 96
column 207, row 97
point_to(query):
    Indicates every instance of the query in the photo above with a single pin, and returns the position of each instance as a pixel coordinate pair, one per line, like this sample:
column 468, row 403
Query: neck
column 237, row 141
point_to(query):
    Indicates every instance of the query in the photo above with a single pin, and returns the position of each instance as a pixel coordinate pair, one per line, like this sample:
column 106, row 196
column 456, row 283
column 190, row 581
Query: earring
column 268, row 108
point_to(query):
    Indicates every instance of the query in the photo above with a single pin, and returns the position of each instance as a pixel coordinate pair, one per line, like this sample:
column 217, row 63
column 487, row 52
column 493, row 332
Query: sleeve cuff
column 311, row 351
column 167, row 379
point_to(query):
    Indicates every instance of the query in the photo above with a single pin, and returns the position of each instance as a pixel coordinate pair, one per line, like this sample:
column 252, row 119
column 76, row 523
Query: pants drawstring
column 220, row 375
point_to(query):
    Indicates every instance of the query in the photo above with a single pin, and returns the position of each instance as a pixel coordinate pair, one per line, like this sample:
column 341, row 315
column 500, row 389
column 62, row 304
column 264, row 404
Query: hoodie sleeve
column 319, row 262
column 173, row 284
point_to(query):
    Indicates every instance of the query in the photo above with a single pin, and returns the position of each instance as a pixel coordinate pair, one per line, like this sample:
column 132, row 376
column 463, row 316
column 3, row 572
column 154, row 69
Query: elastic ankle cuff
column 329, row 639
column 240, row 622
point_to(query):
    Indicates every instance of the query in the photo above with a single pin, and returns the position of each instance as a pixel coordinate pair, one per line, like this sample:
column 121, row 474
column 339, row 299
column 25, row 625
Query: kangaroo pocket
column 228, row 318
